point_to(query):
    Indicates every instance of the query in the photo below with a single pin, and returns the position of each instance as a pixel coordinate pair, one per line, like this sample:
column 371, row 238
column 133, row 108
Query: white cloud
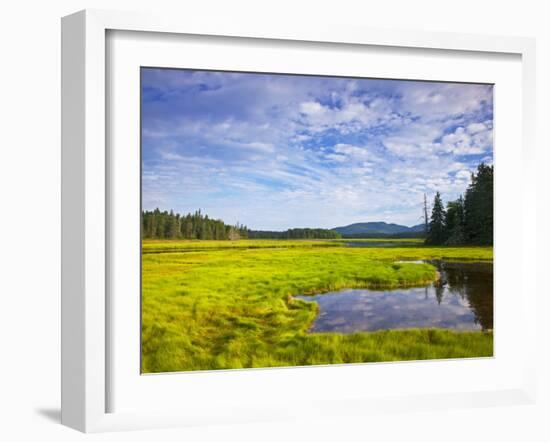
column 433, row 101
column 474, row 128
column 336, row 157
column 257, row 145
column 469, row 141
column 351, row 151
column 312, row 108
column 463, row 174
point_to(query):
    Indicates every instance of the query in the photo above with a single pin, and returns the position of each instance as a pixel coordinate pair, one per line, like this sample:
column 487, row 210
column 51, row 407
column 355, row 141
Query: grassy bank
column 229, row 304
column 412, row 241
column 162, row 246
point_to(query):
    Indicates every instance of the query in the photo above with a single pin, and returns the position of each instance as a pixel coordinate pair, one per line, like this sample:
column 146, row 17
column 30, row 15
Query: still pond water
column 462, row 299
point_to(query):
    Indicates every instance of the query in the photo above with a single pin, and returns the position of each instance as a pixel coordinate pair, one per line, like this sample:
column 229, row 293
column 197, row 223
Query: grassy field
column 229, row 304
column 412, row 241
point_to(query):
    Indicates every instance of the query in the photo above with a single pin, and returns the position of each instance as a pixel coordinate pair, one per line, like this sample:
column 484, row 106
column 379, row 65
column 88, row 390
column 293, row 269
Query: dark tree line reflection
column 473, row 282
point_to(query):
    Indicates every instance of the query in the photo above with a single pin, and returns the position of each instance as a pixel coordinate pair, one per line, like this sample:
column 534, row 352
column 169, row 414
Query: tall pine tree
column 170, row 225
column 436, row 229
column 467, row 220
column 478, row 207
column 454, row 222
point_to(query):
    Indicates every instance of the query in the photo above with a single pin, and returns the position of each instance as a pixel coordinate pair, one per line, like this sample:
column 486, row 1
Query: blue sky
column 281, row 151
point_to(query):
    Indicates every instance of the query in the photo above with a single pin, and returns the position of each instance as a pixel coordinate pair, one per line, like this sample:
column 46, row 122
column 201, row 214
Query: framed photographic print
column 245, row 180
column 250, row 213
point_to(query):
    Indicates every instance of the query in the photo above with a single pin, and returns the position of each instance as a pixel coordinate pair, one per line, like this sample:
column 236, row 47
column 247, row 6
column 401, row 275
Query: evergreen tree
column 426, row 222
column 478, row 207
column 159, row 218
column 436, row 229
column 153, row 226
column 454, row 222
column 170, row 225
column 467, row 220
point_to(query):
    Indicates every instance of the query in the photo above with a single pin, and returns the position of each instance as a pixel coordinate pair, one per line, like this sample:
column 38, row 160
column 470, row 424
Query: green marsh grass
column 230, row 304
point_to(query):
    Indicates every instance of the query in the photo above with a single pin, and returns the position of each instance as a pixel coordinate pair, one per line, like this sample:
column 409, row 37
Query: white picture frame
column 86, row 209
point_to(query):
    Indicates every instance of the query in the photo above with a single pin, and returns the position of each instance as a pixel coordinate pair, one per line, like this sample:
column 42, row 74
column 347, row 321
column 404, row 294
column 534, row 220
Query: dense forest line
column 467, row 220
column 170, row 225
column 305, row 233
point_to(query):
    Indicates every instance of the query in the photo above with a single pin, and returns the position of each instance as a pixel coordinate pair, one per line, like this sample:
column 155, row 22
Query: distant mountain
column 417, row 228
column 380, row 228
